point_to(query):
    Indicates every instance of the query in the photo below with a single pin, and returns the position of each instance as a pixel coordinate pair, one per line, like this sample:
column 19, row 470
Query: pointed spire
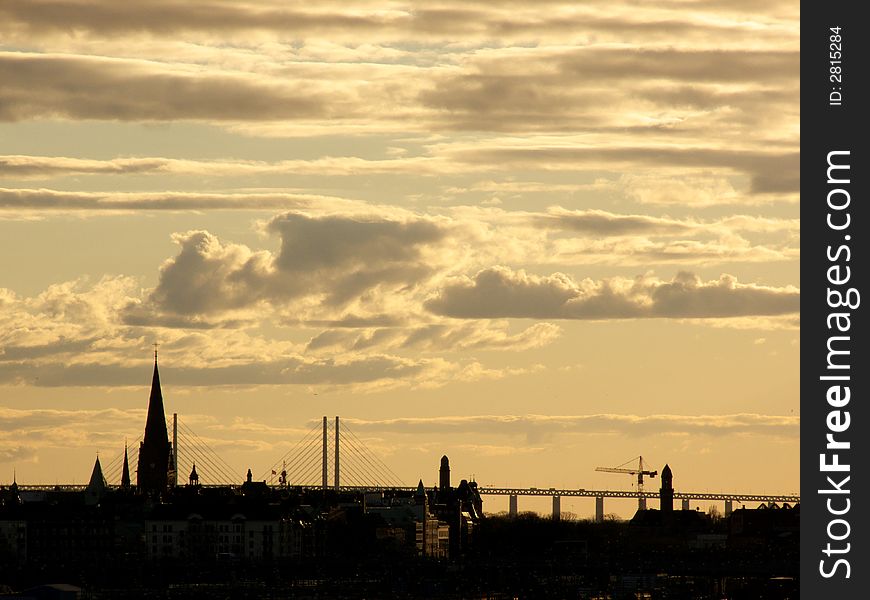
column 152, row 474
column 97, row 485
column 97, row 478
column 125, row 473
column 194, row 476
column 155, row 425
column 12, row 495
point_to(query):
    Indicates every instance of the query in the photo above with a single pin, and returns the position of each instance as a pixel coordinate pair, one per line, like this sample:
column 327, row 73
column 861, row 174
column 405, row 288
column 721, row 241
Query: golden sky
column 538, row 237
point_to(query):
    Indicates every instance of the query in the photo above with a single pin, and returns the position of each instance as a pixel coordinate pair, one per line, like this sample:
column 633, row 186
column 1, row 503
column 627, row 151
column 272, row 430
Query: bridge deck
column 509, row 491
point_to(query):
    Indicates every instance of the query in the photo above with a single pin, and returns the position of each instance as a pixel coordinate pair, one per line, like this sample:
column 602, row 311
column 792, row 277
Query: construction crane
column 639, row 471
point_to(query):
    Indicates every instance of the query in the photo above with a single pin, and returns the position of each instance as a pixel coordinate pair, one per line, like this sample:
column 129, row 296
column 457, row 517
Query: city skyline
column 536, row 242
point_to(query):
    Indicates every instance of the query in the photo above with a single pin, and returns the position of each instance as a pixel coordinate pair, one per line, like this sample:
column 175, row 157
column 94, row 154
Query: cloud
column 168, row 17
column 84, row 87
column 23, row 166
column 638, row 87
column 769, row 171
column 335, row 259
column 73, row 334
column 437, row 337
column 12, row 419
column 354, row 255
column 602, row 237
column 65, row 319
column 16, row 453
column 349, row 20
column 593, row 222
column 538, row 426
column 18, row 200
column 500, row 292
column 25, row 432
column 293, row 370
column 604, row 223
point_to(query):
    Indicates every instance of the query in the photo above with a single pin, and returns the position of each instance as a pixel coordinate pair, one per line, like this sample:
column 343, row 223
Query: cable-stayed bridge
column 330, row 456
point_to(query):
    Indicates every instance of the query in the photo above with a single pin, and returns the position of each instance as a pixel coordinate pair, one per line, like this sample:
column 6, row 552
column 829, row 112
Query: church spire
column 125, row 473
column 155, row 425
column 152, row 474
column 97, row 485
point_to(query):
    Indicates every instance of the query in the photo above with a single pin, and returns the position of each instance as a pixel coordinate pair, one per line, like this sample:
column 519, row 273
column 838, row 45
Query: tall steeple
column 152, row 473
column 155, row 425
column 97, row 485
column 125, row 473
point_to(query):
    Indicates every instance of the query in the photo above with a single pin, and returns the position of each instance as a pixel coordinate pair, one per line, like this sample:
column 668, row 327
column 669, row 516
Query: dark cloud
column 687, row 65
column 208, row 276
column 598, row 88
column 10, row 352
column 172, row 16
column 499, row 292
column 335, row 257
column 603, row 223
column 79, row 87
column 56, row 200
column 354, row 254
column 443, row 19
column 51, row 166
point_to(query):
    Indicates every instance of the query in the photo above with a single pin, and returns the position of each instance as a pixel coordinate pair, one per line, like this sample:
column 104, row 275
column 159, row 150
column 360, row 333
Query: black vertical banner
column 835, row 378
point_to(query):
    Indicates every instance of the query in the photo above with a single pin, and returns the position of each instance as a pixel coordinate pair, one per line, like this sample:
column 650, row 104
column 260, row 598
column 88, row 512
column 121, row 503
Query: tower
column 421, row 501
column 96, row 486
column 666, row 493
column 125, row 472
column 152, row 474
column 444, row 472
column 193, row 480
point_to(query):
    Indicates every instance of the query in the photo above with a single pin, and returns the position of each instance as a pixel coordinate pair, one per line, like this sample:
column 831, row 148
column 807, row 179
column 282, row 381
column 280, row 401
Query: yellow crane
column 639, row 471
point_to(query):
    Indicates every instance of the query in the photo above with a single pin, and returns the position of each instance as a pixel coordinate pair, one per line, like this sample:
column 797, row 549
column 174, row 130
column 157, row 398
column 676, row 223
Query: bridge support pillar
column 512, row 506
column 557, row 508
column 324, row 481
column 599, row 509
column 686, row 504
column 729, row 506
column 641, row 503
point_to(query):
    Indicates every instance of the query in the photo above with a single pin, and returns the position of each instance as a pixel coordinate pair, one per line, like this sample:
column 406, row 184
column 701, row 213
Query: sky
column 537, row 237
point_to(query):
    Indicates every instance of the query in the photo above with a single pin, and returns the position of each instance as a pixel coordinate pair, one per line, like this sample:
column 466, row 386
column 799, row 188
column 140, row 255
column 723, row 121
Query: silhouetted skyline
column 541, row 240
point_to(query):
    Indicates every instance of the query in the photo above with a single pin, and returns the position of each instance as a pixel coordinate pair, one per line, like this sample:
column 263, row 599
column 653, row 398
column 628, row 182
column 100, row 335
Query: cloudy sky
column 538, row 237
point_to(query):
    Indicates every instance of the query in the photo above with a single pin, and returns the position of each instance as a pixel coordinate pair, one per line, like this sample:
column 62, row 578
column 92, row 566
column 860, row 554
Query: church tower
column 666, row 493
column 444, row 475
column 152, row 474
